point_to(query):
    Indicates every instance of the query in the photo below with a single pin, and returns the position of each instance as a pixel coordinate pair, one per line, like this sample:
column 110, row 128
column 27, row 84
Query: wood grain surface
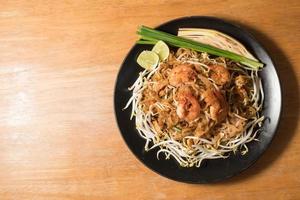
column 58, row 65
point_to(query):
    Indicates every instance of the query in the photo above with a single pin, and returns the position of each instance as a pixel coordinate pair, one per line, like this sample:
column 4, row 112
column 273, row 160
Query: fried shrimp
column 218, row 106
column 188, row 107
column 219, row 74
column 182, row 74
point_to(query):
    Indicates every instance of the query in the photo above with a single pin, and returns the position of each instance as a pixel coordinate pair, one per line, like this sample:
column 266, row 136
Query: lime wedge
column 162, row 50
column 148, row 59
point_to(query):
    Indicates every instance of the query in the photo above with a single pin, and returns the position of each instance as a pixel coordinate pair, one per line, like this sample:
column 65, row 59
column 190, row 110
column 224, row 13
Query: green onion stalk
column 152, row 36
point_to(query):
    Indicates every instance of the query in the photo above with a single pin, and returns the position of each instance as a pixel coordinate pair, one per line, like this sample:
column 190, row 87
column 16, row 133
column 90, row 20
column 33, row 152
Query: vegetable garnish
column 152, row 36
column 215, row 38
column 162, row 50
column 148, row 59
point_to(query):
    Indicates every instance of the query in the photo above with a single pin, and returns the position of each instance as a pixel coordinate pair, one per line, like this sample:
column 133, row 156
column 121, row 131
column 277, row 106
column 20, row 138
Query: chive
column 150, row 35
column 146, row 42
column 176, row 128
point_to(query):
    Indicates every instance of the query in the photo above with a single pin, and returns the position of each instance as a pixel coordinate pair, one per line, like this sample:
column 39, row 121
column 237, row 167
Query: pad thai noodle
column 194, row 106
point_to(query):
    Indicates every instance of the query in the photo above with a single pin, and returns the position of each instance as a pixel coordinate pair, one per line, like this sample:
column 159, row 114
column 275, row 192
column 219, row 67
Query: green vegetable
column 151, row 36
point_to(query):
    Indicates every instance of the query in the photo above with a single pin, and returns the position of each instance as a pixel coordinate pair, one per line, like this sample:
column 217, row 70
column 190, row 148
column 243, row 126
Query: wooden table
column 58, row 65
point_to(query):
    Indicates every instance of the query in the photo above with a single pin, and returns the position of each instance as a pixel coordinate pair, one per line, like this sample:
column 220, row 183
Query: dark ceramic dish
column 210, row 170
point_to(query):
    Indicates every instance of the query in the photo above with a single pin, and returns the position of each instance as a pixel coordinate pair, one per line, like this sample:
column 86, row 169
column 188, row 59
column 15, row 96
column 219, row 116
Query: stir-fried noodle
column 195, row 107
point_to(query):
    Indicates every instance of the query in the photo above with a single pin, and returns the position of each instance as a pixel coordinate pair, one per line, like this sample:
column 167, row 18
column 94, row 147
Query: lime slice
column 148, row 59
column 162, row 50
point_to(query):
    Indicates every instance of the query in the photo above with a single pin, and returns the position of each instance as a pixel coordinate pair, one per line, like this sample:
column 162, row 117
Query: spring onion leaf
column 151, row 36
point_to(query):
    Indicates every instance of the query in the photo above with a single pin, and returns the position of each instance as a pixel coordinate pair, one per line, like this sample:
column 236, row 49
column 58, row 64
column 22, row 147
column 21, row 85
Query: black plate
column 210, row 170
